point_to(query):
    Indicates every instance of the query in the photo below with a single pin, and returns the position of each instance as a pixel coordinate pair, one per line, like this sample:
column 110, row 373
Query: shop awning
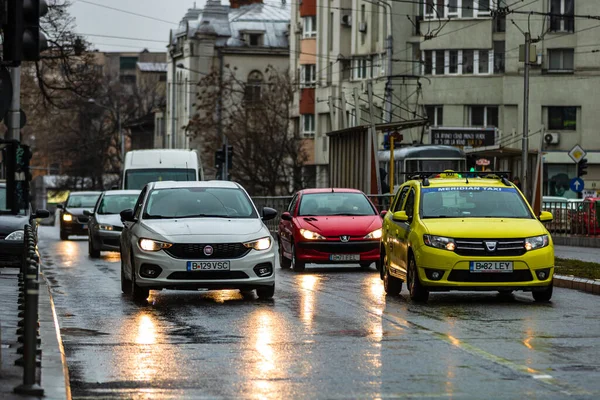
column 496, row 151
column 390, row 126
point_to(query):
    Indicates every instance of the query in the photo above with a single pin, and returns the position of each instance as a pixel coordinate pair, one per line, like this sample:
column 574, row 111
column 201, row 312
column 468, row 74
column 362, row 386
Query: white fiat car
column 196, row 235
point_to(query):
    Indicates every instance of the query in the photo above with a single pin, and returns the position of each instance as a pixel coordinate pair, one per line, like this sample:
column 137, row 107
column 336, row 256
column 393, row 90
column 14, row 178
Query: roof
column 422, row 151
column 121, row 192
column 330, row 190
column 84, row 193
column 152, row 66
column 195, row 184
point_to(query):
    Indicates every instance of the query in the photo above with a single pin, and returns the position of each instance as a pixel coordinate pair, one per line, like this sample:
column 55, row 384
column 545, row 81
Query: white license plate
column 344, row 257
column 491, row 266
column 208, row 265
column 84, row 226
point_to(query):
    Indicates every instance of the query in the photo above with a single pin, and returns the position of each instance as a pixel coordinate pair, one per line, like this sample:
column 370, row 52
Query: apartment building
column 457, row 61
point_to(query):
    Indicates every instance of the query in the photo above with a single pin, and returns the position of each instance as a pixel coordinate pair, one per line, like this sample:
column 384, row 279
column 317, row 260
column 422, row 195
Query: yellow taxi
column 465, row 231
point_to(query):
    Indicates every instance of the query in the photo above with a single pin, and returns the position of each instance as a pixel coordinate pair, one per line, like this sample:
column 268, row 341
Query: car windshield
column 199, row 202
column 340, row 203
column 473, row 202
column 82, row 200
column 136, row 179
column 114, row 204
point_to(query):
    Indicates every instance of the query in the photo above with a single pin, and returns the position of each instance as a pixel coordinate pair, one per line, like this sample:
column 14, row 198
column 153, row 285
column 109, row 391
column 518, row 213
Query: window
column 453, row 62
column 467, row 8
column 255, row 39
column 438, row 9
column 484, row 62
column 428, row 63
column 562, row 118
column 308, row 125
column 562, row 15
column 483, row 116
column 360, row 68
column 499, row 48
column 560, row 60
column 253, row 87
column 127, row 63
column 467, row 61
column 309, row 75
column 435, row 115
column 409, row 207
column 440, row 63
column 400, row 199
column 162, row 78
column 309, row 27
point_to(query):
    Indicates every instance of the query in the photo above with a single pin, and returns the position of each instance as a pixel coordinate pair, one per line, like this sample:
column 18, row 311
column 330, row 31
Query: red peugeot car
column 327, row 226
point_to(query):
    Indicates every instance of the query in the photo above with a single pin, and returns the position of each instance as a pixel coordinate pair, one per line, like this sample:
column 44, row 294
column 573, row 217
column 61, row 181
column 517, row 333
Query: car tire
column 365, row 266
column 266, row 292
column 415, row 288
column 543, row 296
column 125, row 283
column 91, row 250
column 64, row 236
column 382, row 264
column 298, row 266
column 284, row 262
column 391, row 284
column 139, row 294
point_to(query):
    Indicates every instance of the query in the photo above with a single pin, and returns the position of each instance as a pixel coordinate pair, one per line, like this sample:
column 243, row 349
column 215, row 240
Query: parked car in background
column 326, row 226
column 105, row 225
column 12, row 230
column 73, row 221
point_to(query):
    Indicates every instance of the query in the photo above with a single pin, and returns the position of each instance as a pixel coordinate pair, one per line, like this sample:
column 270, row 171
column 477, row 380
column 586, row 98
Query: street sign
column 577, row 153
column 576, row 185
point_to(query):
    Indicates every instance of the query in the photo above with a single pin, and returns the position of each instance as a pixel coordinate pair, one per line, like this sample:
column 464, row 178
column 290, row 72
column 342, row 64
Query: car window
column 400, row 199
column 335, row 203
column 82, row 200
column 409, row 207
column 292, row 205
column 139, row 203
column 114, row 204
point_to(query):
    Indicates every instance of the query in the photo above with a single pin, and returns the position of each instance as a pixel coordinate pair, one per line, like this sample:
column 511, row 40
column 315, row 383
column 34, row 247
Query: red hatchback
column 326, row 226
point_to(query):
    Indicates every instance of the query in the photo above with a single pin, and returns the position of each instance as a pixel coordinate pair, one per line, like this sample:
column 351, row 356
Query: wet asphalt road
column 329, row 333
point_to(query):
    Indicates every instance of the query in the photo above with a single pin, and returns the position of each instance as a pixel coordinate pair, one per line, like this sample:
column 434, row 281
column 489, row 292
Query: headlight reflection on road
column 70, row 249
column 145, row 357
column 307, row 302
column 263, row 325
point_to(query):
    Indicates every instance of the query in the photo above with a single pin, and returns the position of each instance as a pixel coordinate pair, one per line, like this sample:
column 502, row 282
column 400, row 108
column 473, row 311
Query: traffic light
column 582, row 167
column 229, row 156
column 23, row 39
column 219, row 158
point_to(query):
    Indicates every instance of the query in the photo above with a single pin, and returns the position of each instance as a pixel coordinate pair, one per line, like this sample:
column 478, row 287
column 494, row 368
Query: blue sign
column 576, row 185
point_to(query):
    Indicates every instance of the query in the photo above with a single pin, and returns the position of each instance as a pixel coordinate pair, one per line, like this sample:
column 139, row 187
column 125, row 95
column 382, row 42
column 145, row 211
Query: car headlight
column 105, row 227
column 439, row 242
column 16, row 235
column 536, row 242
column 376, row 234
column 153, row 245
column 67, row 217
column 259, row 244
column 306, row 234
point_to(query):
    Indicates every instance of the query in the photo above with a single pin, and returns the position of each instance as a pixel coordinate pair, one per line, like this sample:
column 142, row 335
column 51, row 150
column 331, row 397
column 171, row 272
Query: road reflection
column 70, row 250
column 309, row 284
column 263, row 329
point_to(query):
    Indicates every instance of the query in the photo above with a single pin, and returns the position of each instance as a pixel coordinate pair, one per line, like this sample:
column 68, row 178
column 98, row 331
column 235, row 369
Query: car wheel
column 365, row 266
column 265, row 293
column 139, row 294
column 64, row 236
column 298, row 266
column 125, row 283
column 415, row 288
column 543, row 296
column 283, row 262
column 391, row 284
column 91, row 250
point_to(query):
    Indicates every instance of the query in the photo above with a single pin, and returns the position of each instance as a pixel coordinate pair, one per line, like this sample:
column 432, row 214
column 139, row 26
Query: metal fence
column 573, row 218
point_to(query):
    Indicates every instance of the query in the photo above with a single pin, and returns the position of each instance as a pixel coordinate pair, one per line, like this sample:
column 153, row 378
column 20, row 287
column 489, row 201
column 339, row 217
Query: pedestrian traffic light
column 23, row 39
column 582, row 167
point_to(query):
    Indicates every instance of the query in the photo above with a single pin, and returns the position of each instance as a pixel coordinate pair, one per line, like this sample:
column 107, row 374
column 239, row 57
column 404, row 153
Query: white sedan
column 196, row 235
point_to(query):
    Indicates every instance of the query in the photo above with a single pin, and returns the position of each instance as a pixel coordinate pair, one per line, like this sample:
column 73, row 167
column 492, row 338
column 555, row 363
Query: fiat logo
column 208, row 250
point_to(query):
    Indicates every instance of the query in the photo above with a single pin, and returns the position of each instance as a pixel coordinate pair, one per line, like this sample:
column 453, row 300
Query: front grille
column 207, row 275
column 195, row 251
column 339, row 247
column 111, row 242
column 9, row 260
column 478, row 248
column 521, row 275
column 117, row 228
column 83, row 220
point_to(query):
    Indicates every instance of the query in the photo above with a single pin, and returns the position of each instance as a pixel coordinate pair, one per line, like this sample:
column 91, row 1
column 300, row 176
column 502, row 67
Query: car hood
column 109, row 219
column 11, row 223
column 78, row 212
column 497, row 228
column 205, row 229
column 340, row 224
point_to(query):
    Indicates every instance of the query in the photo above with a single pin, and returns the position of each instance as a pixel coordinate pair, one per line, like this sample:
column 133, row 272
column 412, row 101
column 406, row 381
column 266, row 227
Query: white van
column 144, row 166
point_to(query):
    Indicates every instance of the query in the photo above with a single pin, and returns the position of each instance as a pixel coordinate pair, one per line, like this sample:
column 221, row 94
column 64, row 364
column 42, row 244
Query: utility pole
column 225, row 168
column 173, row 99
column 372, row 157
column 14, row 112
column 525, row 150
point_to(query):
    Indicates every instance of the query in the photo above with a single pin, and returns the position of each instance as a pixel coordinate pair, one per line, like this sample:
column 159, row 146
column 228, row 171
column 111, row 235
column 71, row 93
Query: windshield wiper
column 204, row 216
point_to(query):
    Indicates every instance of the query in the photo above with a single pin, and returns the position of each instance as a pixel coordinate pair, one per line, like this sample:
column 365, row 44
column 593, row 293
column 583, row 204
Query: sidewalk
column 589, row 254
column 54, row 374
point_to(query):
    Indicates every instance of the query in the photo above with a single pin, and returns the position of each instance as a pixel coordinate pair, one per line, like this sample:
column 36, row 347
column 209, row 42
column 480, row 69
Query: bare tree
column 268, row 154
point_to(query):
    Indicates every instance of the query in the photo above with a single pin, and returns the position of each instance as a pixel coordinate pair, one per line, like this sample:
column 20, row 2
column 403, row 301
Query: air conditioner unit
column 346, row 20
column 362, row 27
column 552, row 138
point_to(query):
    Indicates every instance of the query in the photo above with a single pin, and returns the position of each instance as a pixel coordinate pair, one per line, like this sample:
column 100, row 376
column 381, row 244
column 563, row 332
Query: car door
column 286, row 228
column 391, row 227
column 404, row 230
column 128, row 236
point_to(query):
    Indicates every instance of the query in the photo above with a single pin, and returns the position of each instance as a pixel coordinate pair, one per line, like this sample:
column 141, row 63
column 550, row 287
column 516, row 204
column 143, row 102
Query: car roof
column 120, row 192
column 444, row 182
column 193, row 184
column 83, row 193
column 329, row 190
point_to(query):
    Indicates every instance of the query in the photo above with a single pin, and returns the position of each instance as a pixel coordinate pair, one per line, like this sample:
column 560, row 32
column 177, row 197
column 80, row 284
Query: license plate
column 344, row 257
column 491, row 266
column 208, row 265
column 84, row 226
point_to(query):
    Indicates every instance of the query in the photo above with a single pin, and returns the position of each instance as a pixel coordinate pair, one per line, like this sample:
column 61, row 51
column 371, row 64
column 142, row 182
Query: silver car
column 105, row 224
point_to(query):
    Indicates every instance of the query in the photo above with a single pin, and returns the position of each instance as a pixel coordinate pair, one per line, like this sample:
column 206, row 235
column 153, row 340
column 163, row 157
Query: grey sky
column 99, row 20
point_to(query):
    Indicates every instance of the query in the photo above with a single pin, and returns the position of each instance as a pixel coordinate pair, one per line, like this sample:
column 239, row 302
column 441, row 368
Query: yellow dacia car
column 455, row 232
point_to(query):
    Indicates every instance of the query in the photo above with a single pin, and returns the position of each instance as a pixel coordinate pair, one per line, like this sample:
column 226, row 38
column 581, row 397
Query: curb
column 591, row 286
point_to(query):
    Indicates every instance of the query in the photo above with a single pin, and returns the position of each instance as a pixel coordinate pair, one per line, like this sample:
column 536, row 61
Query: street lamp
column 121, row 136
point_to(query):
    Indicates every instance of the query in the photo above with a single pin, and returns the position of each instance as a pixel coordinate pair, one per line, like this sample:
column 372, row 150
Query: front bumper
column 106, row 240
column 174, row 274
column 11, row 253
column 457, row 276
column 74, row 227
column 320, row 252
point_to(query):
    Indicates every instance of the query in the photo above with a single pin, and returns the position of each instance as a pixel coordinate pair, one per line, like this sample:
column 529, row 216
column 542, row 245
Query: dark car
column 73, row 221
column 105, row 225
column 12, row 231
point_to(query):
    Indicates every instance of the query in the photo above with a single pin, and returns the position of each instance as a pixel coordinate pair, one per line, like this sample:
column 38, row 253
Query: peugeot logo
column 208, row 250
column 344, row 238
column 491, row 246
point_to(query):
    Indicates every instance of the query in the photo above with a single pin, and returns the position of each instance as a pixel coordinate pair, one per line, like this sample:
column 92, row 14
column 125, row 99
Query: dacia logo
column 491, row 246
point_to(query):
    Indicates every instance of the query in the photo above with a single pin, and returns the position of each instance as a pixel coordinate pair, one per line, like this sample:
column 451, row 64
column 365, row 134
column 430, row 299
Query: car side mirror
column 545, row 216
column 400, row 216
column 383, row 213
column 268, row 213
column 127, row 215
column 88, row 213
column 62, row 207
column 41, row 214
column 286, row 216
